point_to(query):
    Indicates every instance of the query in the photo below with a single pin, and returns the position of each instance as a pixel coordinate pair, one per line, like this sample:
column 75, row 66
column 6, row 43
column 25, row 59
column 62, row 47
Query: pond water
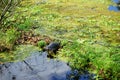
column 38, row 67
column 115, row 8
column 116, row 1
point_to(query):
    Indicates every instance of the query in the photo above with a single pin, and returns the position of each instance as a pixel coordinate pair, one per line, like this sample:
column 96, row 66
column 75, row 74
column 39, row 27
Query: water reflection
column 115, row 8
column 116, row 1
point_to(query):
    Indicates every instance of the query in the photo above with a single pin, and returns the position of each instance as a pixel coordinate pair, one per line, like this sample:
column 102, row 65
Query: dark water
column 115, row 8
column 116, row 1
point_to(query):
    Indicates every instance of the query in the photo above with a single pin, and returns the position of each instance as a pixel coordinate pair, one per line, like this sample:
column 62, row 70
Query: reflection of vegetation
column 20, row 53
column 23, row 51
column 88, row 30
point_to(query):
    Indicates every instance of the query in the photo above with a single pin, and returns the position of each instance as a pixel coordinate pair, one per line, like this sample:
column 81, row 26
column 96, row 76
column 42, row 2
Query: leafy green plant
column 41, row 43
column 8, row 38
column 27, row 24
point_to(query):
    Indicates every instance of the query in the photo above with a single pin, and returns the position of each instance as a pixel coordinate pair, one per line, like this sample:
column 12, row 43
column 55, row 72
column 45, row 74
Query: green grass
column 101, row 60
column 8, row 38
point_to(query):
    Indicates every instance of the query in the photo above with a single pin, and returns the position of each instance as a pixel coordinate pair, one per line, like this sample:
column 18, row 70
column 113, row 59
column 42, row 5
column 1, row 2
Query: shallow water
column 36, row 67
column 116, row 1
column 114, row 8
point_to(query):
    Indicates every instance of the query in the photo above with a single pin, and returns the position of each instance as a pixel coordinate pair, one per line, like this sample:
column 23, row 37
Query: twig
column 28, row 65
column 5, row 10
column 3, row 2
column 31, row 69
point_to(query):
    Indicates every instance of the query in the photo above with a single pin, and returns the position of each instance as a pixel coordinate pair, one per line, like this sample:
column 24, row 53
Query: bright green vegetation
column 91, row 32
column 104, row 61
column 41, row 43
column 8, row 38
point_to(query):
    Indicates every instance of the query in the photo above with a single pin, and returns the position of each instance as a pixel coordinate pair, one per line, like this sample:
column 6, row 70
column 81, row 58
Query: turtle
column 52, row 48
